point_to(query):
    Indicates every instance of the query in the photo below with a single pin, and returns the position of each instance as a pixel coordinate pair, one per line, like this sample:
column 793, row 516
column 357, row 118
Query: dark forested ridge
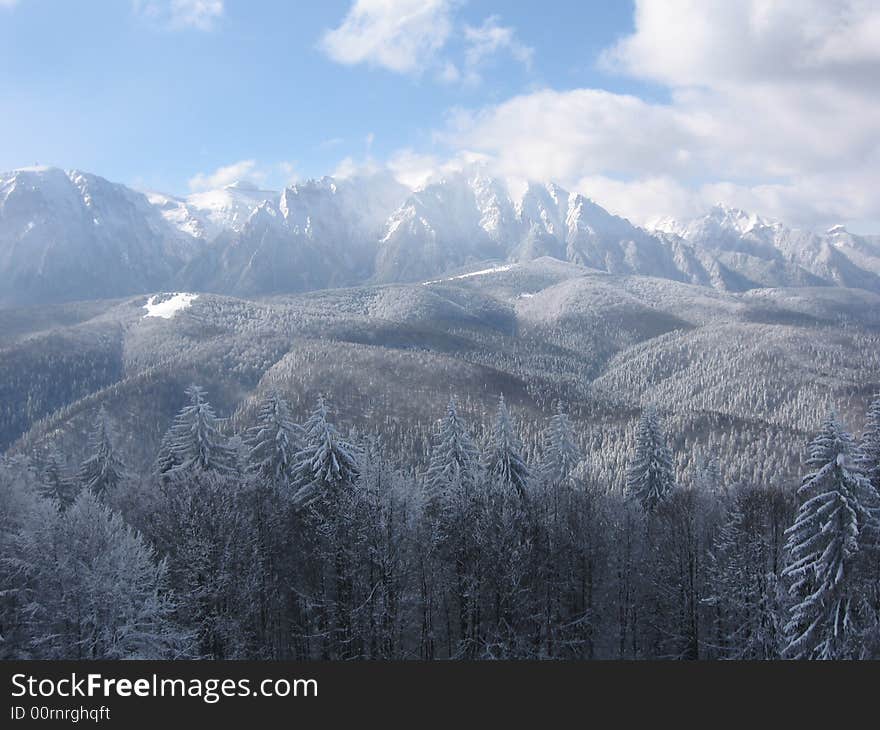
column 540, row 461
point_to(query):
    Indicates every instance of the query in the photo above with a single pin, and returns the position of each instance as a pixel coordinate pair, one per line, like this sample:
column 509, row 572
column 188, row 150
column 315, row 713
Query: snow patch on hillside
column 481, row 272
column 168, row 308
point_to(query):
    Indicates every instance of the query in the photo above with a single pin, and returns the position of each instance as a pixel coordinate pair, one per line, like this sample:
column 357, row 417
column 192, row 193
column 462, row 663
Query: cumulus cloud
column 409, row 167
column 349, row 167
column 416, row 170
column 713, row 42
column 412, row 36
column 552, row 134
column 484, row 42
column 490, row 38
column 772, row 105
column 398, row 35
column 181, row 14
column 243, row 170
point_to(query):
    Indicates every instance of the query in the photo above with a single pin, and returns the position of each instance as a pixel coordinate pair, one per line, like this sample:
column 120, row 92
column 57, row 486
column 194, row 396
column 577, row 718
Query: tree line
column 295, row 541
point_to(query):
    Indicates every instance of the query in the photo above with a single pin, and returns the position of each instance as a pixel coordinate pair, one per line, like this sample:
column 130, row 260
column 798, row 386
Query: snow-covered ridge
column 73, row 235
column 168, row 308
column 207, row 214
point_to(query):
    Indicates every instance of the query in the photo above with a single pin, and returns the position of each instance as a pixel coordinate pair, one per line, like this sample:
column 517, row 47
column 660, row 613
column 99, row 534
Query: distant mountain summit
column 73, row 235
column 768, row 253
column 206, row 215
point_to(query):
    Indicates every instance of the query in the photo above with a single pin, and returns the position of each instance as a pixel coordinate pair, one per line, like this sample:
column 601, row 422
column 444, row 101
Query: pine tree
column 504, row 459
column 831, row 441
column 454, row 458
column 165, row 460
column 273, row 442
column 561, row 453
column 832, row 525
column 56, row 481
column 102, row 471
column 869, row 447
column 327, row 471
column 326, row 462
column 195, row 441
column 650, row 475
column 455, row 514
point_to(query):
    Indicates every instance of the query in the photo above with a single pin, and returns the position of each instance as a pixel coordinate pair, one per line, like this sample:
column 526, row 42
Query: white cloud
column 407, row 37
column 449, row 73
column 263, row 175
column 646, row 199
column 410, row 168
column 244, row 170
column 399, row 35
column 416, row 170
column 288, row 173
column 643, row 200
column 8, row 3
column 772, row 105
column 349, row 167
column 489, row 39
column 181, row 14
column 715, row 42
column 559, row 135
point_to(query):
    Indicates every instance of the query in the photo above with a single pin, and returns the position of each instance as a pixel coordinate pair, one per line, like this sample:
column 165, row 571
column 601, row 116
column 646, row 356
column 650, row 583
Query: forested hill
column 526, row 460
column 745, row 375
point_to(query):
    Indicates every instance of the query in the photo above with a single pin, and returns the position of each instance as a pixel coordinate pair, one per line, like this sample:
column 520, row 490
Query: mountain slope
column 771, row 254
column 207, row 214
column 732, row 371
column 70, row 235
column 316, row 234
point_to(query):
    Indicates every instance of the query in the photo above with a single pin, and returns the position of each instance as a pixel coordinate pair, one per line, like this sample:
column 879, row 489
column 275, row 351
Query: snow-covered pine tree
column 455, row 517
column 454, row 458
column 833, row 522
column 831, row 441
column 56, row 481
column 165, row 461
column 869, row 446
column 195, row 441
column 504, row 459
column 560, row 453
column 103, row 470
column 326, row 462
column 273, row 442
column 650, row 475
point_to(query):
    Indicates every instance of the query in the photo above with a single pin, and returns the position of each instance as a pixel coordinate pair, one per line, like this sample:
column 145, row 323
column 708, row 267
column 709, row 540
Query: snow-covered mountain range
column 73, row 235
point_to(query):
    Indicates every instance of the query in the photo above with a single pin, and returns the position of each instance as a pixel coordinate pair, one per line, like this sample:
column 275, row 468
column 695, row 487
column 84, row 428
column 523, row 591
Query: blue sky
column 99, row 86
column 659, row 107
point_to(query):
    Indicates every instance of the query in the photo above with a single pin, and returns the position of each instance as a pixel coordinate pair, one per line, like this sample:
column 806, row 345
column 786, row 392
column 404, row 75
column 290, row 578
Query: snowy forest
column 439, row 331
column 298, row 541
